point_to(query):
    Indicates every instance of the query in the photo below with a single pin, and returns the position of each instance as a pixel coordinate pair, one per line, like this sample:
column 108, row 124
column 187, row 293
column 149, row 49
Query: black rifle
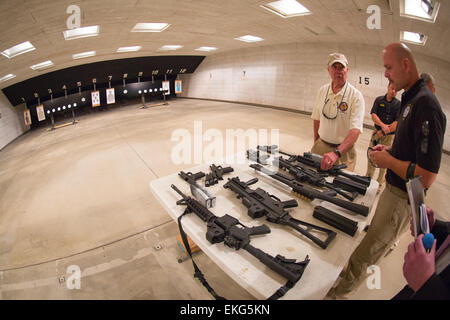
column 234, row 234
column 257, row 156
column 260, row 203
column 336, row 220
column 311, row 193
column 216, row 174
column 349, row 185
column 311, row 177
column 314, row 160
column 197, row 191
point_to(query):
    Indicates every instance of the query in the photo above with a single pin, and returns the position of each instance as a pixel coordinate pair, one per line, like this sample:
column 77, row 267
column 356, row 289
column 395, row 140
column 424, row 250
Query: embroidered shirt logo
column 343, row 106
column 406, row 112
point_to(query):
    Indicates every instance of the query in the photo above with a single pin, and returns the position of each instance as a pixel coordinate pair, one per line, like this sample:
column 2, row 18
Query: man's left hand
column 380, row 157
column 419, row 265
column 328, row 160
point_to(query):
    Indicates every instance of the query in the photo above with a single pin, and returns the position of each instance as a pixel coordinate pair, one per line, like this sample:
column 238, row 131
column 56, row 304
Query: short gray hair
column 427, row 77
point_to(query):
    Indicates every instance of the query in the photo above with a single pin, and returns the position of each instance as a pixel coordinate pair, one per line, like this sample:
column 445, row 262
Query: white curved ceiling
column 193, row 24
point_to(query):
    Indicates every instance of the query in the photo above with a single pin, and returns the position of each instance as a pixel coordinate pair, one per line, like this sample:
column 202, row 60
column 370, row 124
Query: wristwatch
column 339, row 154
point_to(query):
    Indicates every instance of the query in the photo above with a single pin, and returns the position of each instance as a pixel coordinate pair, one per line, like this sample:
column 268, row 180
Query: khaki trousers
column 391, row 219
column 387, row 141
column 349, row 158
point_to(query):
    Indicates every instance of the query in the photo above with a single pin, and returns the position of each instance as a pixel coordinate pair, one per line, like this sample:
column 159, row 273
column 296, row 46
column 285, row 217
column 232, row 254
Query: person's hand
column 379, row 147
column 380, row 156
column 328, row 160
column 418, row 265
column 379, row 133
column 385, row 129
column 391, row 127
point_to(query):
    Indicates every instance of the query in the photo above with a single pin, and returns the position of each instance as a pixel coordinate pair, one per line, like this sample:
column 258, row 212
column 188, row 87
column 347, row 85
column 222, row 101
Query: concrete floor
column 80, row 196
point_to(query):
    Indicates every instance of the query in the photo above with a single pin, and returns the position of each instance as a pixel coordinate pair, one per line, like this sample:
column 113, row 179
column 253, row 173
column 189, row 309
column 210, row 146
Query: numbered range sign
column 110, row 96
column 27, row 117
column 364, row 80
column 95, row 98
column 178, row 86
column 166, row 87
column 40, row 112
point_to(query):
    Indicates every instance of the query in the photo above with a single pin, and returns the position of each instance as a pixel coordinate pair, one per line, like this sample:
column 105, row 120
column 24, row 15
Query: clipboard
column 418, row 207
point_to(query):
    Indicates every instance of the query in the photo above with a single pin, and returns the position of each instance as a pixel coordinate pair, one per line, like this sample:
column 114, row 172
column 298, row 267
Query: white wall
column 11, row 122
column 289, row 76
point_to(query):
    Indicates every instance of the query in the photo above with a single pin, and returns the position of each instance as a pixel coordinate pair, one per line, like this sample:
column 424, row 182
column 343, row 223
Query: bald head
column 400, row 51
column 400, row 66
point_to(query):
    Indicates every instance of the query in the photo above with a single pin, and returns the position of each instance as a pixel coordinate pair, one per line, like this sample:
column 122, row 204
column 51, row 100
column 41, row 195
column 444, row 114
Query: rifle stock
column 234, row 234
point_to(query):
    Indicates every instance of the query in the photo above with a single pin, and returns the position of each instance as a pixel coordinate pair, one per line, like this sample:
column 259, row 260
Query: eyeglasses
column 332, row 116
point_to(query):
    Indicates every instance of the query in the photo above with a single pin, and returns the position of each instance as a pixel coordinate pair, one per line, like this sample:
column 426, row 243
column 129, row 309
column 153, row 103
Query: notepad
column 418, row 207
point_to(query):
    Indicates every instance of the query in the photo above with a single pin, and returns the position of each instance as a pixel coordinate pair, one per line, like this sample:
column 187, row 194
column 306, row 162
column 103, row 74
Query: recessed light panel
column 413, row 37
column 249, row 38
column 83, row 55
column 18, row 49
column 170, row 47
column 7, row 77
column 42, row 65
column 206, row 49
column 286, row 8
column 150, row 27
column 81, row 32
column 425, row 10
column 129, row 49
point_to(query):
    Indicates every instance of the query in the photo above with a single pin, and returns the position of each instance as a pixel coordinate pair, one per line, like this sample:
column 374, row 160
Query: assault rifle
column 311, row 193
column 234, row 234
column 311, row 177
column 260, row 203
column 257, row 156
column 314, row 160
column 216, row 174
column 197, row 191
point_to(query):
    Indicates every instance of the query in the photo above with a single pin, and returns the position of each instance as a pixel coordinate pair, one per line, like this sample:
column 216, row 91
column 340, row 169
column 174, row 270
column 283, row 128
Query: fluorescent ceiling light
column 170, row 47
column 129, row 49
column 42, row 65
column 81, row 32
column 18, row 49
column 150, row 27
column 7, row 77
column 83, row 55
column 413, row 37
column 206, row 49
column 425, row 10
column 249, row 38
column 286, row 8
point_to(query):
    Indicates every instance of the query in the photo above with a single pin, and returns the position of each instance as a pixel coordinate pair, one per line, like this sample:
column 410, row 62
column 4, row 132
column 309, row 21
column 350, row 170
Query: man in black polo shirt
column 416, row 150
column 384, row 114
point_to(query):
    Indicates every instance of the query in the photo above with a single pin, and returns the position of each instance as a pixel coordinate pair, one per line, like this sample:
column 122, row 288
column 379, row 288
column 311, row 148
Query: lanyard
column 337, row 105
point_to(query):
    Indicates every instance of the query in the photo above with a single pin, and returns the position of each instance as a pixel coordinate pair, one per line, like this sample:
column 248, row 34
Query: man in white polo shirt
column 338, row 116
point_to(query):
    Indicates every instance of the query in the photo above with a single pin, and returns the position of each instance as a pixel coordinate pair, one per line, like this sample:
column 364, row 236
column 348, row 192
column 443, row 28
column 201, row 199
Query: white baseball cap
column 337, row 57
